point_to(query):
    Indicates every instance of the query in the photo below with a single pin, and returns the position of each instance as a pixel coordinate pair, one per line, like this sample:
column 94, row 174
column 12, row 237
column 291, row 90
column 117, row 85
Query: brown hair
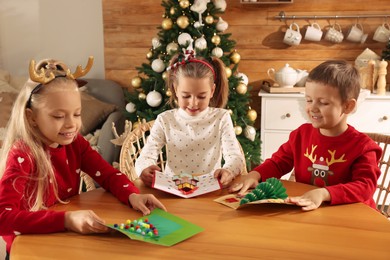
column 338, row 74
column 200, row 70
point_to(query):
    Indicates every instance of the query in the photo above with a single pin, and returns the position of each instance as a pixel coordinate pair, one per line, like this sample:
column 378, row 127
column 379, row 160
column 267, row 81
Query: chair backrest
column 132, row 147
column 86, row 183
column 382, row 194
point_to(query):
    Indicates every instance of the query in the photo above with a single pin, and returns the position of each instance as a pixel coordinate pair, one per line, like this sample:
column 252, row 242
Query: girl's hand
column 84, row 222
column 145, row 203
column 225, row 176
column 311, row 200
column 148, row 174
column 249, row 181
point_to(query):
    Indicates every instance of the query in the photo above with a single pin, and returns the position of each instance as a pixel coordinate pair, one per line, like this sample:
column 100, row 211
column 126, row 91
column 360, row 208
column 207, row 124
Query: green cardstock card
column 170, row 228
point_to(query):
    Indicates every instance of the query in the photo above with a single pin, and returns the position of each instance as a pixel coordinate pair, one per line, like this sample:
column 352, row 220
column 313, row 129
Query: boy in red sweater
column 327, row 153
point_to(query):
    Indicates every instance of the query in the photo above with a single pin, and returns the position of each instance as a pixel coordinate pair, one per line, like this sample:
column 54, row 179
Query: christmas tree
column 386, row 52
column 195, row 22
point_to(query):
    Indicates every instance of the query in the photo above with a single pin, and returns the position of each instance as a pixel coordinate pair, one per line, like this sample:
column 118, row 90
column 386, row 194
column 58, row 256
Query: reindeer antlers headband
column 40, row 76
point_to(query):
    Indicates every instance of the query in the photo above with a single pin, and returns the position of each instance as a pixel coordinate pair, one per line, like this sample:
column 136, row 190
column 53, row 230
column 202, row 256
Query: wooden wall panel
column 130, row 25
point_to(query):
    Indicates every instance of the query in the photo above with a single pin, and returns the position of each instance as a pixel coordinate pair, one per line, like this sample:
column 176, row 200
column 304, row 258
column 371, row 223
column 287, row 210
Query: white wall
column 68, row 30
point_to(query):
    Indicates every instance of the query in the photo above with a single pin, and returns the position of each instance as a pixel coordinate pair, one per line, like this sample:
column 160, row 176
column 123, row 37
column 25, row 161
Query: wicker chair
column 382, row 193
column 132, row 146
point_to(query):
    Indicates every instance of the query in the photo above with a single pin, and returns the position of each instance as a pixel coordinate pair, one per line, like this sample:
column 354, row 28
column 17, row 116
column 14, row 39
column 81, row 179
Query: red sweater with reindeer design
column 346, row 165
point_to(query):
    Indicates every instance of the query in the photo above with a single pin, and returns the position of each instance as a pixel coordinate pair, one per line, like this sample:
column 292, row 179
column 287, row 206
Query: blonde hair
column 198, row 70
column 23, row 136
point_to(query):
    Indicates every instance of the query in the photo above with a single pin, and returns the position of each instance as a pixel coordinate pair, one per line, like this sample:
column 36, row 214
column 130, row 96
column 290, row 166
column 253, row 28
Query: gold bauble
column 136, row 82
column 164, row 75
column 235, row 57
column 216, row 39
column 141, row 96
column 184, row 4
column 228, row 72
column 252, row 114
column 241, row 88
column 209, row 19
column 149, row 54
column 168, row 93
column 237, row 130
column 183, row 21
column 172, row 11
column 167, row 24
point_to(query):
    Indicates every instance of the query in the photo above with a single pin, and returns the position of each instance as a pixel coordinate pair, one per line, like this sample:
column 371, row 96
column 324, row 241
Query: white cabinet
column 282, row 113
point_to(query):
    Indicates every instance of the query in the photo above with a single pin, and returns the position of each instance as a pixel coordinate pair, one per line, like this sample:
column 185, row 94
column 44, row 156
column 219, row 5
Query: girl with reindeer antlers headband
column 198, row 132
column 43, row 155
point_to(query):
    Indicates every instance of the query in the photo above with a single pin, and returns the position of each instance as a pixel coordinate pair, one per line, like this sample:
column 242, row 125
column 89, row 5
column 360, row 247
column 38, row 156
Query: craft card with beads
column 159, row 227
column 270, row 191
column 186, row 185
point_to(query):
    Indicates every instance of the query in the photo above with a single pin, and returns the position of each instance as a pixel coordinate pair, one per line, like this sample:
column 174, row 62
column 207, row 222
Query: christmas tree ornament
column 156, row 43
column 183, row 21
column 172, row 11
column 184, row 39
column 154, row 98
column 252, row 114
column 235, row 57
column 184, row 4
column 230, row 112
column 158, row 65
column 149, row 54
column 228, row 72
column 221, row 25
column 167, row 24
column 141, row 96
column 172, row 48
column 136, row 82
column 237, row 130
column 130, row 107
column 168, row 93
column 216, row 39
column 199, row 6
column 250, row 132
column 201, row 43
column 164, row 75
column 220, row 4
column 244, row 78
column 241, row 88
column 217, row 52
column 209, row 19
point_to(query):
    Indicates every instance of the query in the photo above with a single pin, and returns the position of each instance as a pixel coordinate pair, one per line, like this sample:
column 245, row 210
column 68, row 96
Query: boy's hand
column 84, row 222
column 249, row 181
column 148, row 174
column 145, row 203
column 311, row 200
column 225, row 176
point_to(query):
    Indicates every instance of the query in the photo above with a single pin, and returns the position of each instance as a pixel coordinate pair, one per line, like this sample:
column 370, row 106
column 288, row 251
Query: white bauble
column 201, row 43
column 172, row 47
column 154, row 98
column 221, row 25
column 130, row 107
column 217, row 52
column 244, row 78
column 197, row 24
column 184, row 38
column 221, row 4
column 156, row 42
column 158, row 65
column 250, row 132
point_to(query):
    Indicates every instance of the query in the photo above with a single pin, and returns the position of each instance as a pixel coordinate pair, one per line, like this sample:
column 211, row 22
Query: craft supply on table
column 159, row 227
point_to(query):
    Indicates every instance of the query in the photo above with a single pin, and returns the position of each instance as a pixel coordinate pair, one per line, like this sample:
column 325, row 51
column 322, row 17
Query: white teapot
column 286, row 77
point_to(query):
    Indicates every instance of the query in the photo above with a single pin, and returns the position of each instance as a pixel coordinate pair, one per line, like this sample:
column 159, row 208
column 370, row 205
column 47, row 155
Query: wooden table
column 268, row 231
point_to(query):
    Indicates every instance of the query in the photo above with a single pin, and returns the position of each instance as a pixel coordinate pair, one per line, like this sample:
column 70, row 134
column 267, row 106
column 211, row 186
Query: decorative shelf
column 260, row 2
